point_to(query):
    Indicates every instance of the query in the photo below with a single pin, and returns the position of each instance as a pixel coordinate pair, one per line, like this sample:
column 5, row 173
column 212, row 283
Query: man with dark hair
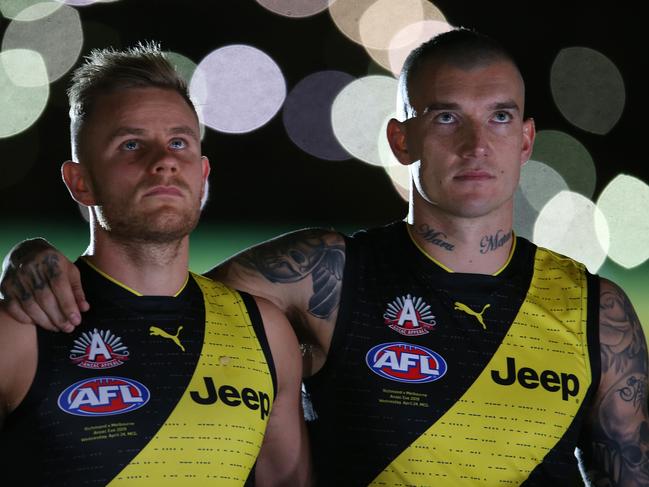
column 172, row 379
column 442, row 350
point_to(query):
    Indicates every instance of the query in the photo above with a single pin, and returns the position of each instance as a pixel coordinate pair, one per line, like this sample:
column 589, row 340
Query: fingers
column 16, row 312
column 42, row 289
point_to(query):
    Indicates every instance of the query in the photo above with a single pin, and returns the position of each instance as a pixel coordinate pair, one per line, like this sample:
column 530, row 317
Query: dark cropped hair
column 108, row 70
column 460, row 47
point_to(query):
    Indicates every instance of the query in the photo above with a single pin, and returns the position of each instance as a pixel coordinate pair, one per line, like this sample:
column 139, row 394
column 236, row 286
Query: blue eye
column 502, row 117
column 130, row 145
column 445, row 118
column 177, row 144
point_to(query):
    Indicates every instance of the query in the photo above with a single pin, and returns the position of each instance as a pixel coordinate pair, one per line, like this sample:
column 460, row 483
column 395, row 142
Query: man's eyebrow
column 501, row 105
column 179, row 130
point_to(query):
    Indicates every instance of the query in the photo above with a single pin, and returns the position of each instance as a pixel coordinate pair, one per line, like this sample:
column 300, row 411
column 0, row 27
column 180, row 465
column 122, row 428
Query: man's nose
column 164, row 161
column 475, row 141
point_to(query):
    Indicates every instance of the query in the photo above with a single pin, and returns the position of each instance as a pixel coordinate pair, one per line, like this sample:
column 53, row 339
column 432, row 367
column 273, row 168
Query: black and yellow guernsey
column 147, row 391
column 437, row 378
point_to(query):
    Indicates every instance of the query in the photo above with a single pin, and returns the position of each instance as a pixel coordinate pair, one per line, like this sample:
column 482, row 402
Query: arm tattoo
column 297, row 257
column 620, row 446
column 435, row 237
column 495, row 241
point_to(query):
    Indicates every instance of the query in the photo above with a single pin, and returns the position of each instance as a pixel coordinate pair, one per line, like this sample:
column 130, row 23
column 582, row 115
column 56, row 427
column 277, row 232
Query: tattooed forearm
column 435, row 237
column 495, row 241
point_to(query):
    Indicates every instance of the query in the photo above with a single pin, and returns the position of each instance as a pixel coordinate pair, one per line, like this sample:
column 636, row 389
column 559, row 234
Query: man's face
column 141, row 151
column 469, row 138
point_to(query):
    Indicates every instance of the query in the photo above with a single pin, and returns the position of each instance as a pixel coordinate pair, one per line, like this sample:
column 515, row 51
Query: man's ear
column 396, row 133
column 75, row 178
column 529, row 134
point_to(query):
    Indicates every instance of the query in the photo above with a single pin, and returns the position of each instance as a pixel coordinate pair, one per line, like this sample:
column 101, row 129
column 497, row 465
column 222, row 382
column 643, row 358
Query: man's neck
column 476, row 245
column 151, row 269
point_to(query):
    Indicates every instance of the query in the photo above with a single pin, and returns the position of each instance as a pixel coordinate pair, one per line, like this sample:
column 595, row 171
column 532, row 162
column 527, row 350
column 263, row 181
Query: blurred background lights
column 37, row 11
column 381, row 23
column 295, row 8
column 307, row 114
column 588, row 89
column 243, row 88
column 11, row 8
column 186, row 68
column 572, row 225
column 411, row 37
column 84, row 3
column 58, row 37
column 540, row 183
column 625, row 204
column 569, row 158
column 359, row 113
column 24, row 90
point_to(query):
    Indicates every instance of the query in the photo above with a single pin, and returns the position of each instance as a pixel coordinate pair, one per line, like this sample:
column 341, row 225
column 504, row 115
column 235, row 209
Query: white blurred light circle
column 84, row 3
column 295, row 8
column 11, row 9
column 37, row 11
column 346, row 14
column 186, row 68
column 307, row 114
column 58, row 37
column 540, row 183
column 24, row 90
column 588, row 89
column 625, row 204
column 409, row 38
column 358, row 115
column 239, row 88
column 569, row 158
column 384, row 18
column 572, row 225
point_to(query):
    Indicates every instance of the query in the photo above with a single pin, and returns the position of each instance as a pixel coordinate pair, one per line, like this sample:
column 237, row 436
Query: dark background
column 261, row 182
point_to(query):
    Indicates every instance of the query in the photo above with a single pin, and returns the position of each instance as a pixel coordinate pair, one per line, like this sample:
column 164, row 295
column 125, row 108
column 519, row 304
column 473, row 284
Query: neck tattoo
column 489, row 243
column 435, row 237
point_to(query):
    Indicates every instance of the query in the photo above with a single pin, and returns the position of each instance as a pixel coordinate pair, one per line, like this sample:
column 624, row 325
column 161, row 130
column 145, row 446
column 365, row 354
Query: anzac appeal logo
column 409, row 316
column 405, row 362
column 98, row 350
column 103, row 396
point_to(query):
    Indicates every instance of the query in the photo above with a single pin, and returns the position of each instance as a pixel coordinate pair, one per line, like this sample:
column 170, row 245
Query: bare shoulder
column 618, row 453
column 18, row 360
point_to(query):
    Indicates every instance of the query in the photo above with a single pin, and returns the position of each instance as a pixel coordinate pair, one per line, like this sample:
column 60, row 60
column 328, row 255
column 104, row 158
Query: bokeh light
column 24, row 90
column 307, row 114
column 411, row 37
column 524, row 216
column 295, row 8
column 186, row 68
column 84, row 3
column 572, row 225
column 588, row 89
column 57, row 37
column 540, row 183
column 359, row 115
column 10, row 9
column 569, row 158
column 238, row 88
column 387, row 25
column 625, row 204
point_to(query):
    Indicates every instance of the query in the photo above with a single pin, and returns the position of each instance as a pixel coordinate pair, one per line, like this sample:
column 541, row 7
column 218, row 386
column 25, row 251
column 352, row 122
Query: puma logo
column 155, row 331
column 469, row 311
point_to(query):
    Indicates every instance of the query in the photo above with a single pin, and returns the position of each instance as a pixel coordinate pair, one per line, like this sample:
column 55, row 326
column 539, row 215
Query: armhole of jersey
column 258, row 326
column 592, row 331
column 36, row 392
column 344, row 312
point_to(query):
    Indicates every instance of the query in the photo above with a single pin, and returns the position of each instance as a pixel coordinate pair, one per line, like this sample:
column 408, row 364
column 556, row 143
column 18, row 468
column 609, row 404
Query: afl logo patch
column 103, row 396
column 405, row 362
column 409, row 315
column 98, row 350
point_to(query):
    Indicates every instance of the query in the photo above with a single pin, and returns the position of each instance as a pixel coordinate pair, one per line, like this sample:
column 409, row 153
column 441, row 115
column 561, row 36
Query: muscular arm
column 284, row 458
column 619, row 449
column 301, row 273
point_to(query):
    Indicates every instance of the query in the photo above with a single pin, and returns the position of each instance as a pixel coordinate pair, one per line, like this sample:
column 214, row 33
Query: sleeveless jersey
column 437, row 378
column 148, row 390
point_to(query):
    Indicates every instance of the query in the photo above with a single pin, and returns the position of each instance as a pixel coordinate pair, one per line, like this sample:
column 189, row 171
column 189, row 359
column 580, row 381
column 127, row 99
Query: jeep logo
column 230, row 396
column 550, row 380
